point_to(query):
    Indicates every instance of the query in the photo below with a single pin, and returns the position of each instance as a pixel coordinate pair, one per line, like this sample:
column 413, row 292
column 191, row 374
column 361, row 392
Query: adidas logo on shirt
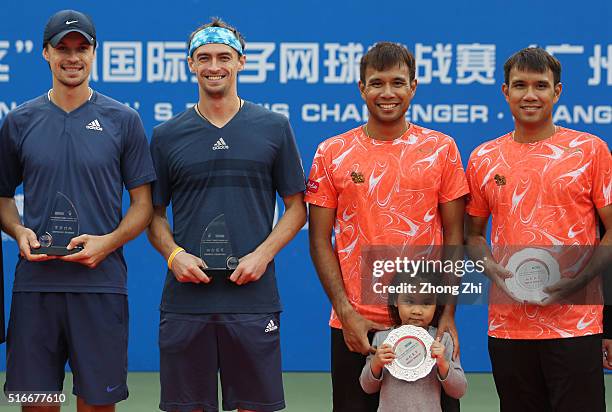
column 271, row 327
column 95, row 125
column 220, row 145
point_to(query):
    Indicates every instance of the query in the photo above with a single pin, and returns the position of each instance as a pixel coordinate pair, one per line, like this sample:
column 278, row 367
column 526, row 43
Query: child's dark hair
column 393, row 298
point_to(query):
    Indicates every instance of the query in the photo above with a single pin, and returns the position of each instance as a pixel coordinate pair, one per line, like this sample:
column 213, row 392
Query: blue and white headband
column 216, row 35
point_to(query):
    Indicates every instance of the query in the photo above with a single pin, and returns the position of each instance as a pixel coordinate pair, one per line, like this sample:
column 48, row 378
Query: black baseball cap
column 68, row 21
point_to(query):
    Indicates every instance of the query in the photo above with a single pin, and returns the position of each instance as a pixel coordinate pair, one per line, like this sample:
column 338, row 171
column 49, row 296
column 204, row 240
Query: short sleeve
column 161, row 189
column 602, row 175
column 11, row 170
column 136, row 165
column 288, row 173
column 320, row 190
column 477, row 204
column 453, row 184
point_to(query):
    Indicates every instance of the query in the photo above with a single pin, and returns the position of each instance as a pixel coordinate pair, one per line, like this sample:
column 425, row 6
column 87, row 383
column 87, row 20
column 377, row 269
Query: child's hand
column 437, row 352
column 384, row 355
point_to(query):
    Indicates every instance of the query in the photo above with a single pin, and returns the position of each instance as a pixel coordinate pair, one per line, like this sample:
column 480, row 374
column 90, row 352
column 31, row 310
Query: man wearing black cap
column 73, row 149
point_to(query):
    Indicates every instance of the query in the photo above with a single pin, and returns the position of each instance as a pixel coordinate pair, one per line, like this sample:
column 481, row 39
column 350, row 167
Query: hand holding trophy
column 533, row 269
column 216, row 249
column 62, row 225
column 412, row 346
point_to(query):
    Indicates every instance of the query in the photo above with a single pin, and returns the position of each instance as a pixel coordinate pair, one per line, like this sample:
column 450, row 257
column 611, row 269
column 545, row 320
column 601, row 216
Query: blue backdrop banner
column 303, row 61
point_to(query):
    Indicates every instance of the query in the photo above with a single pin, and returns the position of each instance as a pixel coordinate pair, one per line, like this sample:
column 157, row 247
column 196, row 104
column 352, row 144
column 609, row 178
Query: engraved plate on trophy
column 216, row 248
column 412, row 347
column 533, row 269
column 61, row 226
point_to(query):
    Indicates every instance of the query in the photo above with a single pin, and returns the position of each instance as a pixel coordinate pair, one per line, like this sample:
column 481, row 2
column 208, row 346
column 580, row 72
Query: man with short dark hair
column 221, row 163
column 388, row 182
column 74, row 150
column 543, row 185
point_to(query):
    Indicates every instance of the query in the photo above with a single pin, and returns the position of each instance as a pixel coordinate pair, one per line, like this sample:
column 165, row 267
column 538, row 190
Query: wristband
column 173, row 255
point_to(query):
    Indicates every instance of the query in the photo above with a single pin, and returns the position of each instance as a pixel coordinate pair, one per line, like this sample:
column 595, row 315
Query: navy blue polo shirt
column 236, row 170
column 88, row 155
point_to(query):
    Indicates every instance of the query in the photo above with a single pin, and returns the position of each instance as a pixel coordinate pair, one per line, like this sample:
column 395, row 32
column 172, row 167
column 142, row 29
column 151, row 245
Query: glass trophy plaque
column 216, row 249
column 61, row 226
column 412, row 347
column 533, row 269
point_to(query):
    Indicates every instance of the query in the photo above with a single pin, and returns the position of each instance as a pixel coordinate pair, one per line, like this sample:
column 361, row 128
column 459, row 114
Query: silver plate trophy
column 533, row 269
column 412, row 347
column 61, row 226
column 216, row 249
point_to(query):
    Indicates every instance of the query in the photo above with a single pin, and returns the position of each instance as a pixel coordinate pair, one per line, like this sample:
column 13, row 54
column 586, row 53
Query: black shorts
column 548, row 374
column 89, row 330
column 243, row 348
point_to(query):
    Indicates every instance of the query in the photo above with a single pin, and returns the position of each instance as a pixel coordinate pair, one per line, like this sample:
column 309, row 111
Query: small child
column 423, row 394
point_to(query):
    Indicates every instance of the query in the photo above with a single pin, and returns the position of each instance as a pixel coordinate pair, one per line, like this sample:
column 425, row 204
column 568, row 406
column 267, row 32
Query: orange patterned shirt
column 542, row 194
column 384, row 193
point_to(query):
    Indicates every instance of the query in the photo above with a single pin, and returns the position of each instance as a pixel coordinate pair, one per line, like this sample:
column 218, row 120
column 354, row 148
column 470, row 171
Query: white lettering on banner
column 314, row 112
column 19, row 204
column 122, row 61
column 429, row 113
column 448, row 113
column 599, row 63
column 166, row 62
column 6, row 107
column 162, row 111
column 299, row 61
column 342, row 62
column 564, row 49
column 475, row 63
column 24, row 46
column 583, row 114
column 257, row 55
column 4, row 68
column 443, row 55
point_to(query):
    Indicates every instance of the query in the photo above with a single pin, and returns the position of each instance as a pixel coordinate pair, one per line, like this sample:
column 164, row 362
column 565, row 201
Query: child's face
column 416, row 310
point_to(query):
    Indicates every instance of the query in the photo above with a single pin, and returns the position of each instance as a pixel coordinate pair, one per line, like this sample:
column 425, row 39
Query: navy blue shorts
column 89, row 330
column 243, row 348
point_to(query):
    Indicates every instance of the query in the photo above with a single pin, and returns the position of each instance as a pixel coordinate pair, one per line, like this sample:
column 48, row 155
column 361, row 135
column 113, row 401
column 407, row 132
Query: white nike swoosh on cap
column 72, row 21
